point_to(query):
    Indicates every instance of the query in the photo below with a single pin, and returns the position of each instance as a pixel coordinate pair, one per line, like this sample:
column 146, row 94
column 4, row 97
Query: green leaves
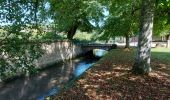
column 17, row 23
column 67, row 13
column 122, row 19
column 162, row 19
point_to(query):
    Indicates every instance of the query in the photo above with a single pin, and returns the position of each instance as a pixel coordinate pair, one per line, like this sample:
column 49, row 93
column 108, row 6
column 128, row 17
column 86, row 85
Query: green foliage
column 162, row 19
column 17, row 58
column 18, row 20
column 53, row 36
column 68, row 13
column 84, row 36
column 122, row 20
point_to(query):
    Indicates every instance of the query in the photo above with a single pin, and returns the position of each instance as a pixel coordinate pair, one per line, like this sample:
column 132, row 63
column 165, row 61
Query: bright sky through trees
column 101, row 22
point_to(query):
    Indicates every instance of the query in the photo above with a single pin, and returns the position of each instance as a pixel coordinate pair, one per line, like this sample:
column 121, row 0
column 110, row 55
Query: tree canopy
column 162, row 19
column 18, row 20
column 70, row 15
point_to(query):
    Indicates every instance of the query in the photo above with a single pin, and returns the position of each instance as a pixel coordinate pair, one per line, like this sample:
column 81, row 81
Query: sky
column 101, row 22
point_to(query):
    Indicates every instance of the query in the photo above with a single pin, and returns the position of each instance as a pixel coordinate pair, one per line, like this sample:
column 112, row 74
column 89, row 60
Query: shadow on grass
column 161, row 61
column 111, row 79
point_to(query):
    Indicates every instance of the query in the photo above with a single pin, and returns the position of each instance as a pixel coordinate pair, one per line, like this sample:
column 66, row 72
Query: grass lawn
column 111, row 79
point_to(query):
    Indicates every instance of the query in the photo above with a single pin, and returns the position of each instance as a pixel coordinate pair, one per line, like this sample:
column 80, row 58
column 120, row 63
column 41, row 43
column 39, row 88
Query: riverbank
column 47, row 82
column 49, row 53
column 111, row 79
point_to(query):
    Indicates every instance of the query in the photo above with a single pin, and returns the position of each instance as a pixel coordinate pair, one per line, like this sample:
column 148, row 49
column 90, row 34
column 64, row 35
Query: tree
column 70, row 15
column 122, row 20
column 17, row 20
column 142, row 60
column 162, row 20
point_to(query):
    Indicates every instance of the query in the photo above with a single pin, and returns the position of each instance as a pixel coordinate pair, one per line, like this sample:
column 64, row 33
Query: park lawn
column 111, row 79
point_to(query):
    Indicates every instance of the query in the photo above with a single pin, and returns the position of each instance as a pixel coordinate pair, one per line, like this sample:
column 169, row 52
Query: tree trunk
column 168, row 41
column 72, row 32
column 162, row 38
column 142, row 60
column 127, row 41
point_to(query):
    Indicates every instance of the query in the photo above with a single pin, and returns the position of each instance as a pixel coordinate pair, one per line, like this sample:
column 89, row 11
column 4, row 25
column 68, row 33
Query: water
column 47, row 82
column 51, row 92
column 99, row 52
column 80, row 68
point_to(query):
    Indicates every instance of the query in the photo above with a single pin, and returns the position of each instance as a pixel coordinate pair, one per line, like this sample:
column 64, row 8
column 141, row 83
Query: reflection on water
column 52, row 91
column 99, row 52
column 47, row 82
column 81, row 67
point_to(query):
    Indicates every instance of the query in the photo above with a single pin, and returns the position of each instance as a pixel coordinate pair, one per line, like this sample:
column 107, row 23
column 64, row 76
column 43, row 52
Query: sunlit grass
column 161, row 50
column 158, row 54
column 161, row 54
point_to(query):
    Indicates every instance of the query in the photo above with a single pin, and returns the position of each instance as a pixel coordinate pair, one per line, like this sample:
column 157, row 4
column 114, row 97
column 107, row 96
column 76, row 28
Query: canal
column 47, row 82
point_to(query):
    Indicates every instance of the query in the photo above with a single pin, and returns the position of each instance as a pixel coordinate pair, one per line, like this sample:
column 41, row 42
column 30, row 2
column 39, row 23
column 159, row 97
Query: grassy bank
column 111, row 79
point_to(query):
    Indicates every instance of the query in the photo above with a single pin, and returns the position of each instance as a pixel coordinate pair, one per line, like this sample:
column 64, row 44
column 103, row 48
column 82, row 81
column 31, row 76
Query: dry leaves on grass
column 112, row 80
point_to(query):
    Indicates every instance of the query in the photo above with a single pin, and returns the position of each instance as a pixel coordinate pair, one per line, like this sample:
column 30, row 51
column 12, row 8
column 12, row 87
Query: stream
column 47, row 82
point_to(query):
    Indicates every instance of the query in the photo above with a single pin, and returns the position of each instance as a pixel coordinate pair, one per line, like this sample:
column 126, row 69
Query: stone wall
column 57, row 51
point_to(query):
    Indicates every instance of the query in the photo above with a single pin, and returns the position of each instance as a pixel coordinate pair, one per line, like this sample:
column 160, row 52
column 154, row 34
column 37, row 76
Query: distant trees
column 162, row 19
column 122, row 20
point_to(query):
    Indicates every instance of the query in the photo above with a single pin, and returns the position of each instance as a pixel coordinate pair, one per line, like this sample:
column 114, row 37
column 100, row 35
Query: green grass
column 162, row 54
column 166, row 50
column 158, row 54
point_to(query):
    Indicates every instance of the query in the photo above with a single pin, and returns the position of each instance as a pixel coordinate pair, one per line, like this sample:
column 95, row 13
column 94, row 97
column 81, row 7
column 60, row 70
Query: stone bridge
column 61, row 50
column 91, row 46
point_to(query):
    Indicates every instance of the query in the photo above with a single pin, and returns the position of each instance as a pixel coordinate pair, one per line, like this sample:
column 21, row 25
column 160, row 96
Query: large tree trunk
column 142, row 60
column 127, row 41
column 72, row 32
